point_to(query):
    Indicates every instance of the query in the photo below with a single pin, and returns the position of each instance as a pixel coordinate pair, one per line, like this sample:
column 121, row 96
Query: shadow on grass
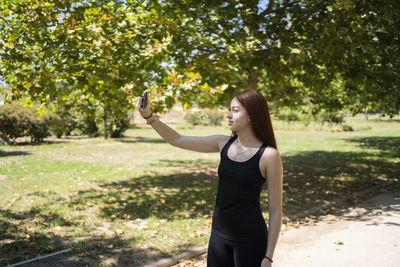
column 18, row 242
column 316, row 177
column 385, row 120
column 189, row 193
column 388, row 145
column 5, row 153
column 75, row 137
column 45, row 142
column 27, row 234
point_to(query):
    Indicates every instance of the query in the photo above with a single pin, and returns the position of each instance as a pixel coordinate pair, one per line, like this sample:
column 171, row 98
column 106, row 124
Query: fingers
column 138, row 104
column 139, row 107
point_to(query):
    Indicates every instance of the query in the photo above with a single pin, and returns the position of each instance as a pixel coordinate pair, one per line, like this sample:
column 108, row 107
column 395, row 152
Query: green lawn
column 138, row 198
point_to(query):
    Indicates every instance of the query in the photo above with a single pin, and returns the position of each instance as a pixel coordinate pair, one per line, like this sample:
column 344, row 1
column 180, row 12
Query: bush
column 118, row 126
column 14, row 121
column 332, row 117
column 287, row 114
column 195, row 118
column 214, row 116
column 306, row 116
column 57, row 126
column 17, row 120
column 89, row 127
column 205, row 117
column 347, row 128
column 63, row 121
column 39, row 128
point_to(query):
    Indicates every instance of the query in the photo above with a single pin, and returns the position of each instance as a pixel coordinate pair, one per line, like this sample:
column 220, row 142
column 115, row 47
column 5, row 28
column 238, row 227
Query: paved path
column 364, row 235
column 367, row 234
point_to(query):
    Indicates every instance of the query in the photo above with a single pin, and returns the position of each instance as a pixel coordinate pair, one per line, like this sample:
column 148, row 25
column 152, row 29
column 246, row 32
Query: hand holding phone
column 144, row 100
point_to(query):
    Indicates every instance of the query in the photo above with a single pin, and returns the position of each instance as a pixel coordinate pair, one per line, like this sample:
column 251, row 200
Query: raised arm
column 205, row 144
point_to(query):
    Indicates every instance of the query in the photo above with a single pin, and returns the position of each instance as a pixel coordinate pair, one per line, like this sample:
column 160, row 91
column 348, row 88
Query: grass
column 137, row 199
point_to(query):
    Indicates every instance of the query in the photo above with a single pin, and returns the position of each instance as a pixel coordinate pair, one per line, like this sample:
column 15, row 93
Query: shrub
column 214, row 116
column 39, row 128
column 195, row 117
column 57, row 126
column 89, row 127
column 287, row 114
column 118, row 126
column 305, row 115
column 347, row 128
column 306, row 118
column 205, row 117
column 14, row 121
column 63, row 121
column 332, row 117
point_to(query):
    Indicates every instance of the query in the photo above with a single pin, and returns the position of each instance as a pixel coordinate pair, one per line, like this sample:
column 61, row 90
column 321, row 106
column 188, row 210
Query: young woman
column 239, row 236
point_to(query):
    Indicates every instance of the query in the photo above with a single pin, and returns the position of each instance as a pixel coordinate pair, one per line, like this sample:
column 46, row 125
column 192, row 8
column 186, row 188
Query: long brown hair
column 260, row 120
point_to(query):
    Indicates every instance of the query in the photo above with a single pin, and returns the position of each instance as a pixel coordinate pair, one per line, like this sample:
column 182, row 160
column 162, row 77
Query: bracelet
column 268, row 258
column 148, row 116
column 150, row 122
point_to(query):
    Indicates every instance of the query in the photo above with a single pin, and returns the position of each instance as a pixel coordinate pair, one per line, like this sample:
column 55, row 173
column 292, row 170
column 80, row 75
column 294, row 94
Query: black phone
column 144, row 100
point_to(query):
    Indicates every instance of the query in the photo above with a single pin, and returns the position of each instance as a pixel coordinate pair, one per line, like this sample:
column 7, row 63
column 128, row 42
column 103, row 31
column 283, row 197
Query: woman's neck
column 247, row 138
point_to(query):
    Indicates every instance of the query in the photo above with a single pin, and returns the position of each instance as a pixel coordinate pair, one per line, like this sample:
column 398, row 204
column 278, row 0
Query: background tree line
column 17, row 120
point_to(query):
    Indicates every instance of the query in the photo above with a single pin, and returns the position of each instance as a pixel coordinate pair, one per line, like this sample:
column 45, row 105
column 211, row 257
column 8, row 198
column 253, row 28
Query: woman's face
column 237, row 116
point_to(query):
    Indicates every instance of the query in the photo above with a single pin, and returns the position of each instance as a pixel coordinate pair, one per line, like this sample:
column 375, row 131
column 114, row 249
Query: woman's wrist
column 151, row 119
column 268, row 258
column 148, row 117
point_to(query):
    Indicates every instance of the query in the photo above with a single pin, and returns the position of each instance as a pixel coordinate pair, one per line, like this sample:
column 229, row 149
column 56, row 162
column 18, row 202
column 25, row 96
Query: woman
column 239, row 236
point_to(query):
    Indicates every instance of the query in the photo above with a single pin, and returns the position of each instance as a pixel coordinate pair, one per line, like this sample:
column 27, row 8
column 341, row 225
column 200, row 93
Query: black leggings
column 227, row 253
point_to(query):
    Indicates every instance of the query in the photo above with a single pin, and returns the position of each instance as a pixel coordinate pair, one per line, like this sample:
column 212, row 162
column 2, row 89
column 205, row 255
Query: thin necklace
column 240, row 149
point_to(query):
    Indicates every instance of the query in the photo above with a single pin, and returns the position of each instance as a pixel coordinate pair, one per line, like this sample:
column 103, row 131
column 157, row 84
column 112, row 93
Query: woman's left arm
column 274, row 175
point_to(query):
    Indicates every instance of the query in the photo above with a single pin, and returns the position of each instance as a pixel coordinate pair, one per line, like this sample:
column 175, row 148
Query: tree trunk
column 252, row 79
column 105, row 123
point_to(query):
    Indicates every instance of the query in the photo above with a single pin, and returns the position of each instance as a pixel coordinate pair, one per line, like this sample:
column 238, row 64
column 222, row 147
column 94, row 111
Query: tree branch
column 267, row 10
column 196, row 16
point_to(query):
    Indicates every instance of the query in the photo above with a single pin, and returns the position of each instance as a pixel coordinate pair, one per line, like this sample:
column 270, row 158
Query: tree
column 335, row 53
column 99, row 54
column 359, row 43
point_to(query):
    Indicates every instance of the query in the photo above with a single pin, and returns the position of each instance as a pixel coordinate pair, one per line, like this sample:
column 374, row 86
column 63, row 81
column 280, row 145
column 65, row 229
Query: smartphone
column 144, row 100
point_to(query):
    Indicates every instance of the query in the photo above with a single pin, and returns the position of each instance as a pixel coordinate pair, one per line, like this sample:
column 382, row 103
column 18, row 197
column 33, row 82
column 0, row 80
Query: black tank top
column 237, row 214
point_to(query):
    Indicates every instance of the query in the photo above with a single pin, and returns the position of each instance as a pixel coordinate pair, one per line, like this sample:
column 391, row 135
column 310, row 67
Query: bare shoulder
column 222, row 140
column 270, row 160
column 271, row 153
